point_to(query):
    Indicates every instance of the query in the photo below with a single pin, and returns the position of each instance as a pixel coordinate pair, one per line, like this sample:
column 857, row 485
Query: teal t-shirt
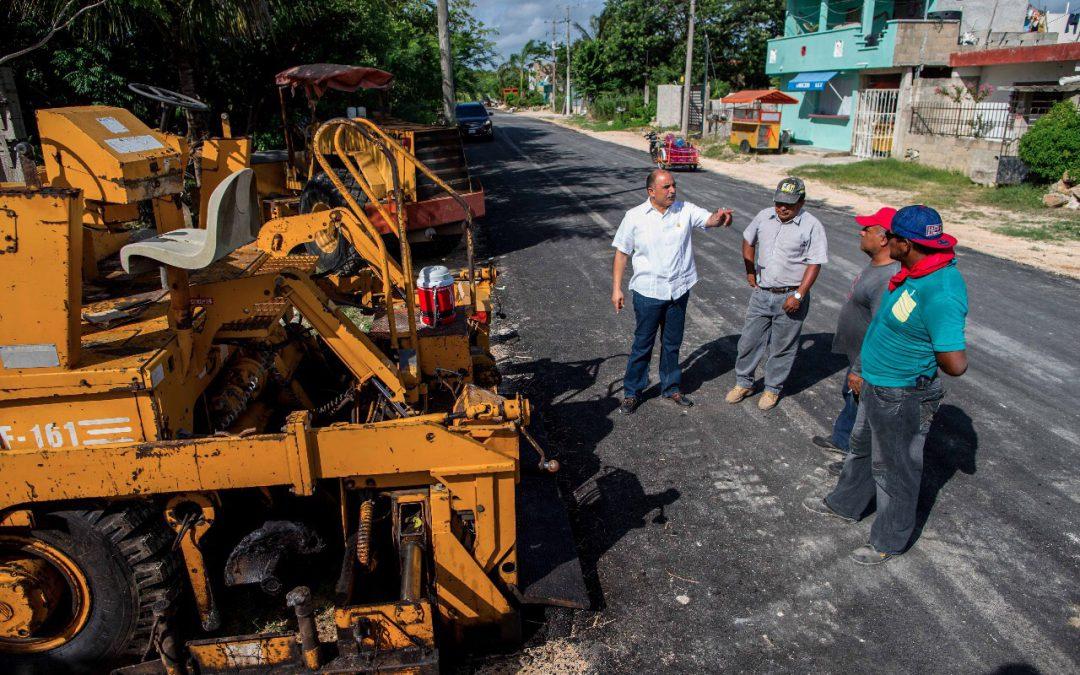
column 922, row 316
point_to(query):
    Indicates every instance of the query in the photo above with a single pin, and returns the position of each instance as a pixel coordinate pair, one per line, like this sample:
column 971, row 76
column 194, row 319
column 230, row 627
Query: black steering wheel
column 167, row 97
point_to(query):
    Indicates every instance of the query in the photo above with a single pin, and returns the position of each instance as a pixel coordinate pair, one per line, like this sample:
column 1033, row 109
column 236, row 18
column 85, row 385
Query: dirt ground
column 974, row 232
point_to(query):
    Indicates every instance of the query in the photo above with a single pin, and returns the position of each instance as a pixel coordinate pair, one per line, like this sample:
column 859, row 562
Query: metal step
column 442, row 153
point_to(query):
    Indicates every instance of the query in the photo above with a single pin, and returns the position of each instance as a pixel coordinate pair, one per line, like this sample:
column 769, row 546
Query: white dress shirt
column 660, row 248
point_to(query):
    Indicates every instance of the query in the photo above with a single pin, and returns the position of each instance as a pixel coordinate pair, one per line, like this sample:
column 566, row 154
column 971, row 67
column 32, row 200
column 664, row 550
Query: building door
column 875, row 121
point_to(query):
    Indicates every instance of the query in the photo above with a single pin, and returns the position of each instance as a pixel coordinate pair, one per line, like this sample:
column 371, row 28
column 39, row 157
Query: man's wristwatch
column 798, row 296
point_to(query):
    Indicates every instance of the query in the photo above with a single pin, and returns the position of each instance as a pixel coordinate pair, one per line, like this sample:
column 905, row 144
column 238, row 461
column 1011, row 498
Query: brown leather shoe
column 737, row 394
column 681, row 400
column 768, row 400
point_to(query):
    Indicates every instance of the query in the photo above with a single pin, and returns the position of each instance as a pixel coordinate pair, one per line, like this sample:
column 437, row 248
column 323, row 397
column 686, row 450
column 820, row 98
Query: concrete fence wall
column 668, row 105
column 975, row 157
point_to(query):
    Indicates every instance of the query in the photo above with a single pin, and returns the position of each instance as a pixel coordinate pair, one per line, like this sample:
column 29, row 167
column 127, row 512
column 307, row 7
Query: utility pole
column 568, row 109
column 705, row 95
column 554, row 65
column 685, row 126
column 445, row 60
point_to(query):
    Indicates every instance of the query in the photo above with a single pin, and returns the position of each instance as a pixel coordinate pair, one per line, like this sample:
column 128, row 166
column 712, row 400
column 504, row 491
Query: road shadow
column 605, row 502
column 814, row 363
column 951, row 446
column 708, row 362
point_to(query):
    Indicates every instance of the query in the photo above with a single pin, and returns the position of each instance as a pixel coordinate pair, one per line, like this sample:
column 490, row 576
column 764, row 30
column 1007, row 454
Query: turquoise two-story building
column 850, row 62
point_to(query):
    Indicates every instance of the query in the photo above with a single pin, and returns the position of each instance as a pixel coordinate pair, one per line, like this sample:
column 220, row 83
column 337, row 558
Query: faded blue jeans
column 769, row 329
column 669, row 317
column 886, row 460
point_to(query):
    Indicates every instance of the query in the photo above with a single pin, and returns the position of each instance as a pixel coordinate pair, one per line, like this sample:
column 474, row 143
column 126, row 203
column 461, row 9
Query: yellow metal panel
column 56, row 424
column 464, row 591
column 221, row 157
column 40, row 278
column 404, row 625
column 238, row 654
column 217, row 463
column 108, row 153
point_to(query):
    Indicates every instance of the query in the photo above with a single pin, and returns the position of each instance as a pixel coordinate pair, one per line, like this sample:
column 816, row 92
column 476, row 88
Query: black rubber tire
column 125, row 553
column 744, row 147
column 320, row 190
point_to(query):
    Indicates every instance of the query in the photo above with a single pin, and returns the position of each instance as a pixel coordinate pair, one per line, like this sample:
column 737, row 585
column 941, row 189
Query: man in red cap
column 918, row 329
column 862, row 302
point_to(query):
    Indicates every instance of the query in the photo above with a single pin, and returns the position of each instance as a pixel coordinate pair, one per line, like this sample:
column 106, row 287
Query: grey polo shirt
column 785, row 249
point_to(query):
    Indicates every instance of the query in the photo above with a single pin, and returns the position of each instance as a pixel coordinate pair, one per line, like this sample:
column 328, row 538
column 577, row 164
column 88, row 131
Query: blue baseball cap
column 922, row 225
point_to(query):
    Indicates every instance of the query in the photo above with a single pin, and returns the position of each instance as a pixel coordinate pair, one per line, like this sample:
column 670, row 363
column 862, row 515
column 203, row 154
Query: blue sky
column 518, row 21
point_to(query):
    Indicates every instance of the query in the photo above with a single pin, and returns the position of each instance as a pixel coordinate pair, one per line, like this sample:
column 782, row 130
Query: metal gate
column 875, row 121
column 697, row 111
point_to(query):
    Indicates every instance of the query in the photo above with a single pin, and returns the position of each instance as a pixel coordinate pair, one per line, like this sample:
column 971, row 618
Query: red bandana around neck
column 928, row 265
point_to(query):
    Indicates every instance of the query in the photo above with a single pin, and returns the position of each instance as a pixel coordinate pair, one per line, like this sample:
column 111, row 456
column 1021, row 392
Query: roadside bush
column 1052, row 145
column 626, row 108
column 526, row 100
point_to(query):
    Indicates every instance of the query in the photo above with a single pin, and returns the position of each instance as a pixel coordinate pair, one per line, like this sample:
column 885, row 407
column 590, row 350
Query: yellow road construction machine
column 214, row 458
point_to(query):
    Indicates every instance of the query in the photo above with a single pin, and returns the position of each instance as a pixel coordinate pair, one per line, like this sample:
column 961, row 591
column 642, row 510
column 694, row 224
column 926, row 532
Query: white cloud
column 519, row 22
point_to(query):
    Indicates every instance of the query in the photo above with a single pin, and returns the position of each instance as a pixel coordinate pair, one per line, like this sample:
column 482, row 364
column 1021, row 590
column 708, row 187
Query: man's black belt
column 780, row 289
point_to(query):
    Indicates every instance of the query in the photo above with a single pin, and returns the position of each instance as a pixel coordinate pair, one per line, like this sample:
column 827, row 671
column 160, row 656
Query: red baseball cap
column 883, row 218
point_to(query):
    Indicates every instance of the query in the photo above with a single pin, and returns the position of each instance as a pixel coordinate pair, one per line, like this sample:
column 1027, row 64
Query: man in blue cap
column 917, row 330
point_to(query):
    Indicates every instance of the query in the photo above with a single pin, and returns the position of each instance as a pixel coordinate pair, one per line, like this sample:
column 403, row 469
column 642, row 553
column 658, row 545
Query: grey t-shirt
column 862, row 303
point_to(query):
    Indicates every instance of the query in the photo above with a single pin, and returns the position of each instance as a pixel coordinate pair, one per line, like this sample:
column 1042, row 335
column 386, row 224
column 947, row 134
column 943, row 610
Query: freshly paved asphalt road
column 697, row 552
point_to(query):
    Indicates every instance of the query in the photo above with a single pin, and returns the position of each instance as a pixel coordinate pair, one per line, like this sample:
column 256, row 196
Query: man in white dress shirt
column 655, row 236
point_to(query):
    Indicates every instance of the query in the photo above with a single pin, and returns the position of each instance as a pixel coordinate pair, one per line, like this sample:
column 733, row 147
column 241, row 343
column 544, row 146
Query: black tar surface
column 696, row 551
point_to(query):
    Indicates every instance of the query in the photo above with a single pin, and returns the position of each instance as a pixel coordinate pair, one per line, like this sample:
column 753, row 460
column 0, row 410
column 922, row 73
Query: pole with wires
column 445, row 61
column 569, row 111
column 685, row 126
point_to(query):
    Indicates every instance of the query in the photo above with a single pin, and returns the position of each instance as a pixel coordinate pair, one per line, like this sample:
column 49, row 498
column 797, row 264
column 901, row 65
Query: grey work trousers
column 768, row 326
column 885, row 460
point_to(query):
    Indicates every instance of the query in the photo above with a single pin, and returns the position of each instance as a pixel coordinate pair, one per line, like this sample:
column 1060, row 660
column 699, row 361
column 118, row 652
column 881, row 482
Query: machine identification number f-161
column 70, row 434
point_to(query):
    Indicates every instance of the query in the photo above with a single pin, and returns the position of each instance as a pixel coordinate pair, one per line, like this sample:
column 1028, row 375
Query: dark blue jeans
column 667, row 316
column 841, row 428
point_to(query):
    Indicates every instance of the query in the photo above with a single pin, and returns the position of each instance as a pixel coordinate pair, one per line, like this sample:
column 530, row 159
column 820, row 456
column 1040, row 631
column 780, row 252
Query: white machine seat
column 233, row 220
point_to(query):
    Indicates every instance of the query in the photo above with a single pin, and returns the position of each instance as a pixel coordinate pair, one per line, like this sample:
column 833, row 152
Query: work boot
column 737, row 394
column 629, row 405
column 681, row 400
column 868, row 555
column 768, row 400
column 827, row 445
column 819, row 506
column 835, row 468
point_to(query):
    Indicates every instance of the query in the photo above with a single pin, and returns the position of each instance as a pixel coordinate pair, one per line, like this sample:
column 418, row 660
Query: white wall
column 1015, row 73
column 668, row 105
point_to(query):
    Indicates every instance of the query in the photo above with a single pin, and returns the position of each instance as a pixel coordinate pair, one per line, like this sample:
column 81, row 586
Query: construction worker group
column 900, row 328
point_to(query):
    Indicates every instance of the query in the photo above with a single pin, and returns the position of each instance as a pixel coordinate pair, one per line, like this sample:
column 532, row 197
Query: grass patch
column 1061, row 230
column 1024, row 197
column 936, row 187
column 721, row 151
column 884, row 173
column 582, row 122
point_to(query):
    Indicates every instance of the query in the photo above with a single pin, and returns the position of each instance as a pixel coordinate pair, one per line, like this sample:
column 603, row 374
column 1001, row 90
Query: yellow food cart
column 755, row 118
